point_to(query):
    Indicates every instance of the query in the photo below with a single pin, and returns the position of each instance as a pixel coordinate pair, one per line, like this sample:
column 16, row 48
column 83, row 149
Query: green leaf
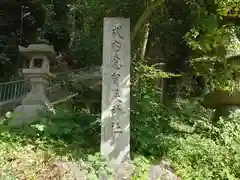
column 92, row 158
column 39, row 127
column 146, row 97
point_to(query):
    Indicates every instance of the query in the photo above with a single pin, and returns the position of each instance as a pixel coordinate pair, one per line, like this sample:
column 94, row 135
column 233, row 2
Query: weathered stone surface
column 75, row 169
column 115, row 120
column 162, row 171
column 42, row 41
column 38, row 50
column 223, row 102
column 233, row 46
column 35, row 105
column 124, row 171
column 26, row 114
column 220, row 98
column 223, row 112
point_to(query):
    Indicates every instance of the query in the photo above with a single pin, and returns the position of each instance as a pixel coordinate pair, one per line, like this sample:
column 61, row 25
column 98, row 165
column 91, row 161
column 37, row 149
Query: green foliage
column 184, row 135
column 209, row 152
column 184, row 32
column 210, row 39
column 8, row 177
column 229, row 7
column 98, row 166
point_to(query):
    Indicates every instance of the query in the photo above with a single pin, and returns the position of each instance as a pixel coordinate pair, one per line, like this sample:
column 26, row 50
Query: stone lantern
column 223, row 101
column 38, row 72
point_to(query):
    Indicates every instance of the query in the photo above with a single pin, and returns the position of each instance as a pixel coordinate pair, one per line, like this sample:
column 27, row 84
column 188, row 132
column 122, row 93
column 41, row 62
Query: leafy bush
column 180, row 133
column 183, row 134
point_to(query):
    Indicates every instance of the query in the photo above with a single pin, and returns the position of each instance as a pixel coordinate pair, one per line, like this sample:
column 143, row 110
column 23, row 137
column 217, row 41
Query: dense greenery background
column 192, row 38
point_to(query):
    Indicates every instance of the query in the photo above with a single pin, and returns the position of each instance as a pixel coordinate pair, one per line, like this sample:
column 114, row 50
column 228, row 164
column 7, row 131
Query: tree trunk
column 145, row 41
column 144, row 17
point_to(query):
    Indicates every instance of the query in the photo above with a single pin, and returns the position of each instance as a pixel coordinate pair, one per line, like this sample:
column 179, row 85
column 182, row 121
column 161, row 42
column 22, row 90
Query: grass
column 32, row 152
column 182, row 135
column 25, row 157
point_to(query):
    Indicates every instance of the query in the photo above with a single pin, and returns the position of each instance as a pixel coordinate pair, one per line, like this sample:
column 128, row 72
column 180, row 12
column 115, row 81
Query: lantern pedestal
column 27, row 114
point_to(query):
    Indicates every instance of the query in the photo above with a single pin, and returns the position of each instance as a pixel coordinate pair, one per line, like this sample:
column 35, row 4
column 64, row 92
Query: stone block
column 124, row 171
column 27, row 114
column 115, row 118
column 220, row 98
column 162, row 171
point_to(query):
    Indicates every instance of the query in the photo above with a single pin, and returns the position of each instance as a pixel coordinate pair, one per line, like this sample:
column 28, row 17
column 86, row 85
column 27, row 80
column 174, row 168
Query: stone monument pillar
column 115, row 118
column 35, row 104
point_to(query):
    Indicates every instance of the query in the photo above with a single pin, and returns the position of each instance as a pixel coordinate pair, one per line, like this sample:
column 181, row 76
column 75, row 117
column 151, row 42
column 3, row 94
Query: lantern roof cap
column 40, row 48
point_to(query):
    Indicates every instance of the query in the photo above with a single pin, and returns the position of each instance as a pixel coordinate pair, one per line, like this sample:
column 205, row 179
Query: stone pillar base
column 38, row 99
column 26, row 114
column 123, row 171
